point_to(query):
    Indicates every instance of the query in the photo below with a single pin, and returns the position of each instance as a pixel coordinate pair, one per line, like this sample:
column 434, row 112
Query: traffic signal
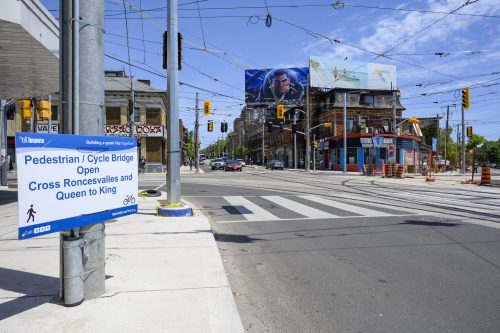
column 465, row 98
column 210, row 126
column 25, row 105
column 294, row 128
column 269, row 127
column 223, row 127
column 315, row 144
column 413, row 120
column 327, row 125
column 206, row 107
column 469, row 131
column 281, row 127
column 44, row 110
column 280, row 111
column 179, row 50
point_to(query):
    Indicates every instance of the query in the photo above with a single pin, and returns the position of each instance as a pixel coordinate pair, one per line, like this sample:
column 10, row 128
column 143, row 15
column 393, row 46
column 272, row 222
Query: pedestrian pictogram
column 30, row 213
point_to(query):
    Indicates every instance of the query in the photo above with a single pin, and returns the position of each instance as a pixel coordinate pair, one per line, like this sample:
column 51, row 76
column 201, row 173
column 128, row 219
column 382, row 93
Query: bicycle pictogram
column 129, row 199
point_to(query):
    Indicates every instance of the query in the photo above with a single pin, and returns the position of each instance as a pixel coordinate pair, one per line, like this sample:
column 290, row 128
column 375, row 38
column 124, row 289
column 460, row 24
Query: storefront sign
column 366, row 142
column 141, row 130
column 68, row 181
column 44, row 128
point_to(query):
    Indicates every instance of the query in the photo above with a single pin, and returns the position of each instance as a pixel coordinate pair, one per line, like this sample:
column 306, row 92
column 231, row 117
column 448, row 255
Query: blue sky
column 436, row 54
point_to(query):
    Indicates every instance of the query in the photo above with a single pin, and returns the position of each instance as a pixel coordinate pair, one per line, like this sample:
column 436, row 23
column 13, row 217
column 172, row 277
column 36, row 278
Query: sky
column 435, row 53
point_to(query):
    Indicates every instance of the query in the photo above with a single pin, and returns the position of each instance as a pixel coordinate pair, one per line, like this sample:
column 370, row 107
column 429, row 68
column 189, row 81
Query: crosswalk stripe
column 257, row 213
column 344, row 206
column 298, row 207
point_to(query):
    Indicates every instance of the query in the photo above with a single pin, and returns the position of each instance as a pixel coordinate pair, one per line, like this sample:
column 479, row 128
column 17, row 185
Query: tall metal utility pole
column 457, row 156
column 394, row 126
column 344, row 104
column 463, row 140
column 308, row 139
column 173, row 174
column 90, row 122
column 295, row 140
column 75, row 72
column 446, row 138
column 263, row 133
column 197, row 137
column 65, row 66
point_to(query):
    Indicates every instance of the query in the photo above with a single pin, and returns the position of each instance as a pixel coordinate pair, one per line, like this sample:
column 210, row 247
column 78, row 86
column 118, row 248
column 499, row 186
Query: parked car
column 242, row 162
column 233, row 165
column 217, row 163
column 274, row 164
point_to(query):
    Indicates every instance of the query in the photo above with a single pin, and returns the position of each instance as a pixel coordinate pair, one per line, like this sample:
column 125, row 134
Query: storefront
column 371, row 150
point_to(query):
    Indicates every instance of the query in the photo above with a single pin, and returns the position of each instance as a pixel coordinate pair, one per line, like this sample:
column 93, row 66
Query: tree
column 189, row 145
column 241, row 151
column 474, row 142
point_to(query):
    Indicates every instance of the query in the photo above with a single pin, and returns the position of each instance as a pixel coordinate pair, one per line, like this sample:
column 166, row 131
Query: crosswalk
column 238, row 209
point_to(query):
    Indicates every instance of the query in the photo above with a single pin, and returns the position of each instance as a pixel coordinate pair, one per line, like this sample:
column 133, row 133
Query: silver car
column 217, row 163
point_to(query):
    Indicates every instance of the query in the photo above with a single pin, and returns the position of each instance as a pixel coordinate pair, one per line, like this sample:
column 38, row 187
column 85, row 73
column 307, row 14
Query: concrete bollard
column 74, row 290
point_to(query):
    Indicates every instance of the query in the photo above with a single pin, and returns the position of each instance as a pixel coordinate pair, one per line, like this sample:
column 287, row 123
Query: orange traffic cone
column 485, row 175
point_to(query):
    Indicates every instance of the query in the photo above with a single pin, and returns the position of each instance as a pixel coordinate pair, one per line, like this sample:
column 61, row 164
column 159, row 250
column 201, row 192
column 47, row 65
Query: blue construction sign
column 69, row 181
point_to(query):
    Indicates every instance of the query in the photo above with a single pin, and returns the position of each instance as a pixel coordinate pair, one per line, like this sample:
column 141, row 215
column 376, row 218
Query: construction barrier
column 485, row 175
column 387, row 171
column 400, row 172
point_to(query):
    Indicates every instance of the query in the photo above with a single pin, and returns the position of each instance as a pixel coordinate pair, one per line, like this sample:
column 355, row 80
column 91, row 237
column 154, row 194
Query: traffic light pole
column 463, row 141
column 173, row 174
column 344, row 105
column 197, row 137
column 308, row 139
column 295, row 141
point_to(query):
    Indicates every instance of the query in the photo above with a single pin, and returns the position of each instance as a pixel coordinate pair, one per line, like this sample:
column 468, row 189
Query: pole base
column 174, row 211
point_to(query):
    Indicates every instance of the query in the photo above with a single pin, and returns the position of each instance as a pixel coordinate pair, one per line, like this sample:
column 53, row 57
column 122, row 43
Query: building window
column 386, row 125
column 153, row 117
column 366, row 100
column 137, row 115
column 112, row 116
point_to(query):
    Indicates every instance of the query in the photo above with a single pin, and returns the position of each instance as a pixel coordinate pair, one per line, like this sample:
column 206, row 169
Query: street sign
column 377, row 141
column 391, row 153
column 366, row 142
column 434, row 144
column 44, row 128
column 68, row 181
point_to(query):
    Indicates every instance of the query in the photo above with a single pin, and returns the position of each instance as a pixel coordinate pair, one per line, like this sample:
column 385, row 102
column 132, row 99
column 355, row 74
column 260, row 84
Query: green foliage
column 189, row 145
column 241, row 152
column 474, row 142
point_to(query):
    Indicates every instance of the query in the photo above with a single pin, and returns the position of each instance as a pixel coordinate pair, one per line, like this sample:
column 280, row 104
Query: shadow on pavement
column 7, row 197
column 36, row 289
column 234, row 238
column 430, row 223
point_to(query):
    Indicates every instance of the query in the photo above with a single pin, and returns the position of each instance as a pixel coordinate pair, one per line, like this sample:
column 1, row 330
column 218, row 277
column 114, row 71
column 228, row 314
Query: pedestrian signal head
column 206, row 107
column 327, row 125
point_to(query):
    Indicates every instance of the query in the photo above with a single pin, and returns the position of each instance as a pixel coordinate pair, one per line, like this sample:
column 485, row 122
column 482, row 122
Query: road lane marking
column 331, row 218
column 298, row 207
column 344, row 206
column 243, row 205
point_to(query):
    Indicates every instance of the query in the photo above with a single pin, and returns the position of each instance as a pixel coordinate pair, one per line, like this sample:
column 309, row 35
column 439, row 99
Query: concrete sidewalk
column 163, row 275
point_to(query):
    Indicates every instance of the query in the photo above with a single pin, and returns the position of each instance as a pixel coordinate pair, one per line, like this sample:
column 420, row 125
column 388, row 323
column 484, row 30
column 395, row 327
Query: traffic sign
column 68, row 181
column 434, row 144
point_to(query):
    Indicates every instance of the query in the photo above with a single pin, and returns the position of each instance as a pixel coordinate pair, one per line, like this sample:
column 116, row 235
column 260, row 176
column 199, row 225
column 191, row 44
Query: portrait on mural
column 282, row 85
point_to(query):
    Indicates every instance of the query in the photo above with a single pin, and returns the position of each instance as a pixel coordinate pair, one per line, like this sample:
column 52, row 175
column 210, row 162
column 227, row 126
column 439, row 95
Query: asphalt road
column 329, row 253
